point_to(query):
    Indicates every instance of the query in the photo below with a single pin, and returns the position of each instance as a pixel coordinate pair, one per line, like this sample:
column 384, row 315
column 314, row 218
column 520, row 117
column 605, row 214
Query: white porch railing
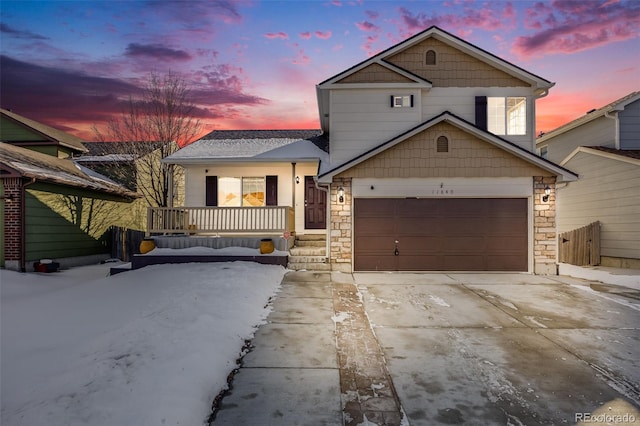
column 220, row 220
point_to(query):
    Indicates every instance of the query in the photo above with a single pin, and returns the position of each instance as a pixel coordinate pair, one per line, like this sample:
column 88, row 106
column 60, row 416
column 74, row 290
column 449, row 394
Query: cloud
column 305, row 36
column 197, row 14
column 279, row 34
column 323, row 35
column 11, row 32
column 464, row 19
column 59, row 97
column 367, row 26
column 372, row 14
column 569, row 27
column 156, row 51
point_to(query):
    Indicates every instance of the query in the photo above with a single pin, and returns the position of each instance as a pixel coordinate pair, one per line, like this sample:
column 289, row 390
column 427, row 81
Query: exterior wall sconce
column 341, row 195
column 547, row 192
column 297, row 180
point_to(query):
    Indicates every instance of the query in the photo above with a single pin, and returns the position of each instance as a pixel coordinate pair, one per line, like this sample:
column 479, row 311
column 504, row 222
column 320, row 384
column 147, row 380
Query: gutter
column 23, row 227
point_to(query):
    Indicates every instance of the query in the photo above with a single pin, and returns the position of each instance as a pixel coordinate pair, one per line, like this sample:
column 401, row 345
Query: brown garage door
column 452, row 234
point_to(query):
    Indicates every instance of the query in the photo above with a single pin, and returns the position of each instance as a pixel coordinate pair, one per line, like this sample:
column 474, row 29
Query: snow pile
column 207, row 251
column 148, row 347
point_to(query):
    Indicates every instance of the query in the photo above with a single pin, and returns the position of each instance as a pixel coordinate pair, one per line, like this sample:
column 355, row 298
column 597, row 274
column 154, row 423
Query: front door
column 315, row 205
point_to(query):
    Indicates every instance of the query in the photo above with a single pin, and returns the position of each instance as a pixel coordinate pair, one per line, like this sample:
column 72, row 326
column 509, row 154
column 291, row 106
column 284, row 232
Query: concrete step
column 307, row 259
column 297, row 266
column 308, row 251
column 312, row 243
column 311, row 237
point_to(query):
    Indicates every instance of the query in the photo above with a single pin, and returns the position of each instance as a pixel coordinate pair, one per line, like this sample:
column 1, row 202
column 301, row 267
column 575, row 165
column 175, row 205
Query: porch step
column 309, row 266
column 309, row 253
column 307, row 259
column 310, row 243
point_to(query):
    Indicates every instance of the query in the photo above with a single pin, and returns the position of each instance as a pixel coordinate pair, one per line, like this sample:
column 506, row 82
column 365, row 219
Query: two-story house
column 603, row 147
column 431, row 164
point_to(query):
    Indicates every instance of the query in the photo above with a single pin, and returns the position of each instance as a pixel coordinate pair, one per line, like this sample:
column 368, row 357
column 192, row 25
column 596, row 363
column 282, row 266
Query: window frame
column 506, row 120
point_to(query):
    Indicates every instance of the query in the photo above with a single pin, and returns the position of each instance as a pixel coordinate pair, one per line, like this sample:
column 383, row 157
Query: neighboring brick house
column 51, row 207
column 431, row 163
column 603, row 147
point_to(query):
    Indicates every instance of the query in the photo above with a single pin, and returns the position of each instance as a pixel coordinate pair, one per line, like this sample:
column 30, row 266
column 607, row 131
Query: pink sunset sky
column 254, row 65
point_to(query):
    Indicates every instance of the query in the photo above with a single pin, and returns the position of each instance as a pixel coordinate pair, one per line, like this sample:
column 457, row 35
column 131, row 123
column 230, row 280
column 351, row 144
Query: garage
column 440, row 234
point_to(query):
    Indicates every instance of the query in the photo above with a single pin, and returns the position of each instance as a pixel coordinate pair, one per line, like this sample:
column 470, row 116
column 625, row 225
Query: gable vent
column 442, row 144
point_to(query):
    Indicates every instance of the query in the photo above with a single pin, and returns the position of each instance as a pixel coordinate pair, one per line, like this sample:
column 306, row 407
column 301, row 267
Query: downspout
column 533, row 116
column 23, row 227
column 293, row 186
column 616, row 134
column 327, row 219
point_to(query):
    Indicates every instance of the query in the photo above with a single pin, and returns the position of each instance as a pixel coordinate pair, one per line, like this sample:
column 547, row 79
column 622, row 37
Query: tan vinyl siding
column 599, row 132
column 607, row 191
column 375, row 73
column 467, row 157
column 453, row 68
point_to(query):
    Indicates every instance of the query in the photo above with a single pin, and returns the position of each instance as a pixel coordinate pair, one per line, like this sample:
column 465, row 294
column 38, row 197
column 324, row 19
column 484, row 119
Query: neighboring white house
column 431, row 164
column 603, row 147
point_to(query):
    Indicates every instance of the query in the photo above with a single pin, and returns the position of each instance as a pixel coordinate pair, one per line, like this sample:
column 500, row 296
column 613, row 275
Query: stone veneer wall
column 340, row 228
column 544, row 227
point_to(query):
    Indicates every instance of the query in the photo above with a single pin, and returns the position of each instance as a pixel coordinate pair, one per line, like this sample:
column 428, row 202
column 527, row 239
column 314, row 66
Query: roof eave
column 591, row 151
column 228, row 160
column 563, row 174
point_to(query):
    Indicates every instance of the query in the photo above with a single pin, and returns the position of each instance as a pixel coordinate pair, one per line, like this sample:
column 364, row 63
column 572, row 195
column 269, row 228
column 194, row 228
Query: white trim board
column 507, row 187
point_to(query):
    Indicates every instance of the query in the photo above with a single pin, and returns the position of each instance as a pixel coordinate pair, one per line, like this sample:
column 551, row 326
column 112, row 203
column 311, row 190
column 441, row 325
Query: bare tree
column 154, row 125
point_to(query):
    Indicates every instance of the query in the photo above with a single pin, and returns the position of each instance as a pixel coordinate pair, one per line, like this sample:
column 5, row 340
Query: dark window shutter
column 272, row 190
column 481, row 112
column 212, row 190
column 411, row 101
column 392, row 103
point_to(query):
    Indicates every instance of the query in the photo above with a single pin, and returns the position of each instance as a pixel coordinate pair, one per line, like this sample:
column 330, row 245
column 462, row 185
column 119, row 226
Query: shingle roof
column 262, row 134
column 254, row 145
column 47, row 168
column 50, row 133
column 110, row 148
column 631, row 153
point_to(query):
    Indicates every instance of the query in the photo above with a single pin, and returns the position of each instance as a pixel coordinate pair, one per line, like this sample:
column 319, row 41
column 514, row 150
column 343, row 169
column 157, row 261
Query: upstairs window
column 405, row 101
column 430, row 57
column 507, row 115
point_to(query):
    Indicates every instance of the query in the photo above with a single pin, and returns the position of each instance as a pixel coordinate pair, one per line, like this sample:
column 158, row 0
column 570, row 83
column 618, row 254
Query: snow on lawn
column 151, row 346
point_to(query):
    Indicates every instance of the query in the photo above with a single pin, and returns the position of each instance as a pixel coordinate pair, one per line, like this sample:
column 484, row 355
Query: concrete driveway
column 513, row 349
column 430, row 349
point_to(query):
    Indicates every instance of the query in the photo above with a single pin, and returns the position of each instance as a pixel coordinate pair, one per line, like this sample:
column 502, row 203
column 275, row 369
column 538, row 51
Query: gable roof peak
column 438, row 33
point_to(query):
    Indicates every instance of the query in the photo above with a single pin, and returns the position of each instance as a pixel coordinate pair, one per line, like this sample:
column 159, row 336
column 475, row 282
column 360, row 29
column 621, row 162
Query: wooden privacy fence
column 125, row 243
column 581, row 246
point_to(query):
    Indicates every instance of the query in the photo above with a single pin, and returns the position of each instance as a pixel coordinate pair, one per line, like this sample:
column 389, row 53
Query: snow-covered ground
column 151, row 346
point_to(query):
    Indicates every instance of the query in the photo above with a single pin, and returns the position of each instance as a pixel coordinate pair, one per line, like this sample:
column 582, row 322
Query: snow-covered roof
column 47, row 168
column 252, row 149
